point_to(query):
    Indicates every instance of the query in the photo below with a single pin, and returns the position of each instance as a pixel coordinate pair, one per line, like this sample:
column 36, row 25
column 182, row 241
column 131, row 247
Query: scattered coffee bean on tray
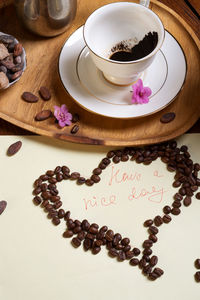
column 168, row 117
column 3, row 205
column 45, row 93
column 29, row 97
column 90, row 235
column 198, row 196
column 75, row 118
column 14, row 148
column 75, row 129
column 43, row 115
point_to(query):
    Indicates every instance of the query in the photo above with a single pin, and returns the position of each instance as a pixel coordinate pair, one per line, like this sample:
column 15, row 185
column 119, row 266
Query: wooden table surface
column 189, row 10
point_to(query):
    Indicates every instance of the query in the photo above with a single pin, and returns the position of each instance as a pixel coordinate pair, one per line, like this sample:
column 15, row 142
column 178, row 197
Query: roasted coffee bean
column 197, row 263
column 89, row 182
column 125, row 241
column 97, row 171
column 77, row 229
column 148, row 223
column 61, row 213
column 147, row 244
column 59, row 177
column 158, row 221
column 75, row 118
column 175, row 211
column 153, row 260
column 90, row 236
column 121, row 256
column 134, row 262
column 127, row 248
column 113, row 252
column 119, row 247
column 147, row 251
column 58, row 204
column 93, row 230
column 176, row 184
column 168, row 117
column 187, row 201
column 153, row 230
column 153, row 238
column 142, row 263
column 103, row 228
column 178, row 196
column 68, row 234
column 117, row 238
column 152, row 276
column 182, row 191
column 45, row 93
column 37, row 191
column 129, row 254
column 106, row 161
column 110, row 154
column 124, row 158
column 52, row 180
column 159, row 272
column 166, row 209
column 43, row 115
column 29, row 97
column 81, row 180
column 14, row 148
column 3, row 205
column 197, row 276
column 87, row 244
column 43, row 187
column 96, row 250
column 46, row 195
column 147, row 269
column 197, row 196
column 85, row 225
column 98, row 243
column 116, row 159
column 44, row 203
column 67, row 215
column 57, row 170
column 76, row 242
column 75, row 129
column 95, row 178
column 166, row 219
column 37, row 200
column 55, row 198
column 17, row 67
column 56, row 221
column 176, row 203
column 49, row 207
column 136, row 251
column 75, row 175
column 81, row 235
column 109, row 245
column 109, row 235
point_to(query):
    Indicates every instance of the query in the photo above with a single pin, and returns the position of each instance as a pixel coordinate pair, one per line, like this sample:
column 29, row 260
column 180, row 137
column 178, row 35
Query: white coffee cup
column 114, row 23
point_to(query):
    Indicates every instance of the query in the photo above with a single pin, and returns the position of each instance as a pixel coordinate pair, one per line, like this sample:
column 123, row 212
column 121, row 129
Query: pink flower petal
column 148, row 91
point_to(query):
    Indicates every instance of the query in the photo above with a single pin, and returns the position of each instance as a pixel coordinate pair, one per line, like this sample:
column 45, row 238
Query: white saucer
column 87, row 86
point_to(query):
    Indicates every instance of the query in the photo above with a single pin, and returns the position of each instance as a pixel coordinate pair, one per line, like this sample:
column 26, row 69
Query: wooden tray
column 42, row 69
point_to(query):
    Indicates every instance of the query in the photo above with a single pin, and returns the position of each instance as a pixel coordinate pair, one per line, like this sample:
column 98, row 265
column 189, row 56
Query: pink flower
column 140, row 93
column 62, row 115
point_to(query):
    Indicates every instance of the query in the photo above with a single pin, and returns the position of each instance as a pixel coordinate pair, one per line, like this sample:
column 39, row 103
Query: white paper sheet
column 36, row 262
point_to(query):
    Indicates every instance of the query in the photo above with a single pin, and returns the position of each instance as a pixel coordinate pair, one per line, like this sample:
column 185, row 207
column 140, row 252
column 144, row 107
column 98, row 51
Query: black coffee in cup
column 138, row 51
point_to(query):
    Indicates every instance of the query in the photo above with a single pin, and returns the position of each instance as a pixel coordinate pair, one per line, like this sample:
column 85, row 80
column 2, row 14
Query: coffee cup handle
column 144, row 2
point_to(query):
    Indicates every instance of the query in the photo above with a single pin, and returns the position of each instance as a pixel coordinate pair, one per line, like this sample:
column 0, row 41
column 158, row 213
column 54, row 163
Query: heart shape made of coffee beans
column 90, row 234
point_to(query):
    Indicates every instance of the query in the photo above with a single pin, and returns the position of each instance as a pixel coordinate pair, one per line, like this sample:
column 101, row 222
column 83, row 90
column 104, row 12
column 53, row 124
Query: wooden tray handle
column 4, row 3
